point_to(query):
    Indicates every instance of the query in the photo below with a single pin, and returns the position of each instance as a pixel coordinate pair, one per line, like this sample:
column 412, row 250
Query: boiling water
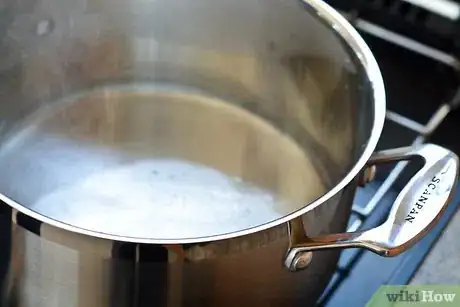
column 154, row 162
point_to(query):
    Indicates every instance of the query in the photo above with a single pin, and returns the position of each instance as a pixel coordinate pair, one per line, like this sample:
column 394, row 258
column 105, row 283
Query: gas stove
column 415, row 43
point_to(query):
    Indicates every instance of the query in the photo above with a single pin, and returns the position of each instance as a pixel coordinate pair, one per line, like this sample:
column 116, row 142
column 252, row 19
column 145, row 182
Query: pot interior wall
column 175, row 119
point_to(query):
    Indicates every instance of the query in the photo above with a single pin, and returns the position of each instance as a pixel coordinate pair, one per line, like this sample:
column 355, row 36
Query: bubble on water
column 44, row 27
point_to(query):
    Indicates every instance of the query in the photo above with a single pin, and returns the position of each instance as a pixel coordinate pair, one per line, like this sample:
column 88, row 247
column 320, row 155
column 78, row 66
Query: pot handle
column 415, row 211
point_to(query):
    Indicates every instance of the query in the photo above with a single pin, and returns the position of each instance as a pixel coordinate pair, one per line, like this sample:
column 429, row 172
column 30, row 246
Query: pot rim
column 357, row 44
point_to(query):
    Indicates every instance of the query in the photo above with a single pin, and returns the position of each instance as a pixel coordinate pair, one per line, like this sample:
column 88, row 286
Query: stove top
column 421, row 76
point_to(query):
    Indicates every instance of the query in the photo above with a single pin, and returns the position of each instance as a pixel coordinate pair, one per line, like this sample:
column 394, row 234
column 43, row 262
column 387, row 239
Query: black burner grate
column 422, row 91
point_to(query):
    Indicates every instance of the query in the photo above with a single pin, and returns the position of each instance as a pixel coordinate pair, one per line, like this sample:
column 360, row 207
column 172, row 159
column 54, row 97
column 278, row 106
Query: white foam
column 160, row 198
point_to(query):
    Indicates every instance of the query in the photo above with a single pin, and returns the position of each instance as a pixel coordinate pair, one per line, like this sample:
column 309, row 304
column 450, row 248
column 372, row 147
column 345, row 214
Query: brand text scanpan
column 432, row 186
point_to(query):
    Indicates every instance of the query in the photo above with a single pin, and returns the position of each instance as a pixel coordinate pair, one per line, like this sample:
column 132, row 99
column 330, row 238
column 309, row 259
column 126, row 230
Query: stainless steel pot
column 175, row 153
